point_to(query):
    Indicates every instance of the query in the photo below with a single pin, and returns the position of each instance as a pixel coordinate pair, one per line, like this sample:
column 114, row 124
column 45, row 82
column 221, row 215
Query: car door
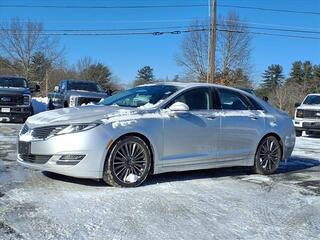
column 58, row 98
column 191, row 137
column 241, row 126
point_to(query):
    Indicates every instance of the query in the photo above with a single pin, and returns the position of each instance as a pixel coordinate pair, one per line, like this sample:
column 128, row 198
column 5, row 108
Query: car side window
column 63, row 86
column 196, row 99
column 231, row 100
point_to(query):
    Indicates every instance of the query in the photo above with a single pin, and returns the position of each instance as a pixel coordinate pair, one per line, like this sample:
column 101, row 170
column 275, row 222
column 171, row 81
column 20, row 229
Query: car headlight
column 299, row 113
column 74, row 128
column 26, row 99
column 72, row 101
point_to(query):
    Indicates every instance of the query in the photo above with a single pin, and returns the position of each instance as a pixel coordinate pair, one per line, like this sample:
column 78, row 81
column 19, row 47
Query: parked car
column 15, row 99
column 158, row 128
column 72, row 93
column 307, row 115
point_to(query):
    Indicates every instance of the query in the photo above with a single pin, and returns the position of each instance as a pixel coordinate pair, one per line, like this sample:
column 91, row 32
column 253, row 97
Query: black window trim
column 209, row 88
column 242, row 97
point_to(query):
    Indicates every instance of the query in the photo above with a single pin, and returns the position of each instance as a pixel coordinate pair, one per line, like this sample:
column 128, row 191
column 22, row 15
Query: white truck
column 307, row 115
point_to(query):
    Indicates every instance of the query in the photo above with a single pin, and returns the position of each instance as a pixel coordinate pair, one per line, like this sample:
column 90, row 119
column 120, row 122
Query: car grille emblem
column 5, row 99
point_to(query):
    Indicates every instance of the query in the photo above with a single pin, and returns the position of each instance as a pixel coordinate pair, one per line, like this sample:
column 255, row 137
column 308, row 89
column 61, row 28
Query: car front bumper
column 307, row 125
column 15, row 113
column 46, row 155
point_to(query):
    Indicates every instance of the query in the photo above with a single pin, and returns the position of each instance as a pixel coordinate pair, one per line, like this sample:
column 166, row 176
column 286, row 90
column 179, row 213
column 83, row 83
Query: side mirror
column 56, row 89
column 297, row 105
column 179, row 107
column 265, row 98
column 37, row 88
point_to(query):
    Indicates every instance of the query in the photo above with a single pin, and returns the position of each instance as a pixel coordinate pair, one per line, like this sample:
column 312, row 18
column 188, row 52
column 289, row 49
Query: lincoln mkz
column 156, row 128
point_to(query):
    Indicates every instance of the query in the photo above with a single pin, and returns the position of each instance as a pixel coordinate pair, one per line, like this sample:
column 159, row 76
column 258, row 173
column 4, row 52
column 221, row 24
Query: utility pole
column 213, row 39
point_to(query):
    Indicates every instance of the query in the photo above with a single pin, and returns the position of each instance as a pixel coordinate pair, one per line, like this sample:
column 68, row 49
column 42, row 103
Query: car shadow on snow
column 293, row 165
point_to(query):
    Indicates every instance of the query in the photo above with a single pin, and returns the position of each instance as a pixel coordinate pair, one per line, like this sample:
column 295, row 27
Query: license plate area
column 24, row 148
column 5, row 110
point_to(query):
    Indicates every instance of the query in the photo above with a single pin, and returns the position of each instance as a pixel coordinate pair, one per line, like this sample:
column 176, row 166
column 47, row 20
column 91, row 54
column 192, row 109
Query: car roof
column 79, row 81
column 194, row 84
column 12, row 77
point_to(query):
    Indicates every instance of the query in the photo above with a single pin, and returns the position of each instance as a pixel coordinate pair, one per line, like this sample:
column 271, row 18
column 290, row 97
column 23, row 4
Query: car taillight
column 299, row 113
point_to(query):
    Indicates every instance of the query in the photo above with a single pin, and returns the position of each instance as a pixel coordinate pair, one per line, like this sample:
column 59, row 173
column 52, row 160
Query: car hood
column 85, row 114
column 309, row 107
column 87, row 94
column 14, row 91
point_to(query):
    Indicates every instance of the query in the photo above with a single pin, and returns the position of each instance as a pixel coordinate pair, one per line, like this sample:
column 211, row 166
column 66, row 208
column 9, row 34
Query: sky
column 126, row 54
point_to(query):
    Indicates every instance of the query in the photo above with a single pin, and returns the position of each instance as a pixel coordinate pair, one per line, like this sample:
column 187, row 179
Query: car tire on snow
column 268, row 156
column 298, row 133
column 128, row 163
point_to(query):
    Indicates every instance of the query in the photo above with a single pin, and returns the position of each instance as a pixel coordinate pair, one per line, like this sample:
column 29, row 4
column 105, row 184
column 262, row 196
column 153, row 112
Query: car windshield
column 312, row 100
column 85, row 86
column 13, row 82
column 140, row 96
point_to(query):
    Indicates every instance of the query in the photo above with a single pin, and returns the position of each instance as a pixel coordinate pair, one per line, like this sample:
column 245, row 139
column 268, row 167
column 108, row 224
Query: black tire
column 128, row 163
column 65, row 105
column 268, row 156
column 298, row 133
column 50, row 105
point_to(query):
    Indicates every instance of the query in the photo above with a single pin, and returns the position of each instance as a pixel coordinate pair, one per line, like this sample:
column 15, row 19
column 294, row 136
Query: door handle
column 254, row 117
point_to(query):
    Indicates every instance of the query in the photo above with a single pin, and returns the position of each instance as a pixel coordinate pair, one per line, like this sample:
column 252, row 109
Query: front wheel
column 128, row 163
column 268, row 156
column 298, row 133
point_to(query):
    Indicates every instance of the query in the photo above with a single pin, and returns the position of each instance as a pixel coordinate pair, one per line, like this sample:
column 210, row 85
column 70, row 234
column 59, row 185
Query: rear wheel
column 128, row 163
column 268, row 156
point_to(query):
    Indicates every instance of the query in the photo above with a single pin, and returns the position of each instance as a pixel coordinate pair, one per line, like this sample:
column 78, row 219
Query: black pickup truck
column 15, row 99
column 72, row 93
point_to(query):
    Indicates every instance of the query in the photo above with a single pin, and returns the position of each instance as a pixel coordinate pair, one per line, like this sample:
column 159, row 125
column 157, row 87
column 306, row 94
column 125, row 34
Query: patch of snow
column 132, row 178
column 39, row 104
column 123, row 123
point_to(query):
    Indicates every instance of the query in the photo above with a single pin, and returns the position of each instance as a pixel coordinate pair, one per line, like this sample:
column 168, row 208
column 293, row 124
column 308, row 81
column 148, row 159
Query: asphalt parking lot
column 212, row 204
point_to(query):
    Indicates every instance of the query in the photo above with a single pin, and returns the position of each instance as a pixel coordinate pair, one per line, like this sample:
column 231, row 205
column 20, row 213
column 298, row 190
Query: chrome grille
column 24, row 129
column 44, row 132
column 11, row 100
column 39, row 159
column 84, row 100
column 311, row 114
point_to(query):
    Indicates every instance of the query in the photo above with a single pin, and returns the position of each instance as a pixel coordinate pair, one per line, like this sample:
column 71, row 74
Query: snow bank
column 39, row 104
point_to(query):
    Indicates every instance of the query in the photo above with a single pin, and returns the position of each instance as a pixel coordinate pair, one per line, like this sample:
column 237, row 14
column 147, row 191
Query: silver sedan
column 158, row 128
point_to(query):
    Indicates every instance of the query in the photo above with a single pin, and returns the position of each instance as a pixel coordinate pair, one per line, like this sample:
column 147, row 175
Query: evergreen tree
column 296, row 74
column 144, row 76
column 98, row 73
column 272, row 77
column 39, row 67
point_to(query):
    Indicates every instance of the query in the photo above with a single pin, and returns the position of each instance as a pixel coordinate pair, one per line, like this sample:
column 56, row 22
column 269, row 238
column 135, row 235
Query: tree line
column 27, row 51
column 304, row 78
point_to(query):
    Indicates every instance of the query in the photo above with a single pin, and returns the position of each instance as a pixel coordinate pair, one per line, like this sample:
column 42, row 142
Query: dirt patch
column 313, row 186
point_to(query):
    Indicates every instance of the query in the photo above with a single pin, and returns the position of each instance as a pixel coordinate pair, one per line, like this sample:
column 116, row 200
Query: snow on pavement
column 210, row 204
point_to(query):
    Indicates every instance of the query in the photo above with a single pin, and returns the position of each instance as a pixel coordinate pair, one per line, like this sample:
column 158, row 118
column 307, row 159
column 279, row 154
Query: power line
column 155, row 6
column 176, row 32
column 103, row 7
column 269, row 9
column 170, row 27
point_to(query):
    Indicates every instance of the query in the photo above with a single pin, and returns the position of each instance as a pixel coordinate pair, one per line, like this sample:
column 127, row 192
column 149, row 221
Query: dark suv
column 15, row 99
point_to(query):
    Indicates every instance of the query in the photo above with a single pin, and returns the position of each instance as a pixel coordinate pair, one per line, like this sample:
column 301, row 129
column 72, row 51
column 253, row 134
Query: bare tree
column 233, row 50
column 20, row 41
column 194, row 54
column 233, row 46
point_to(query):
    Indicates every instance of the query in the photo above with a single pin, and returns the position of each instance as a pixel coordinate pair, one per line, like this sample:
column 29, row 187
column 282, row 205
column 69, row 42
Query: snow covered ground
column 210, row 204
column 39, row 104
